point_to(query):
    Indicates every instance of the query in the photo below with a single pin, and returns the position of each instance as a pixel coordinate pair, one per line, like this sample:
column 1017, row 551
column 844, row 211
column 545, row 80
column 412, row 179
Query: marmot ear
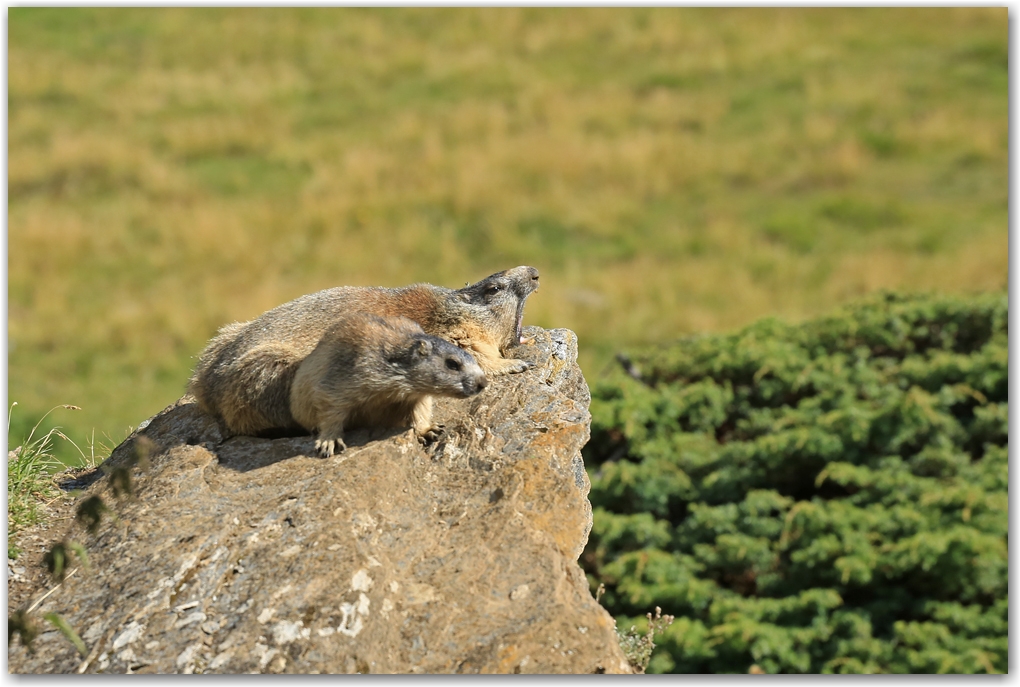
column 464, row 297
column 423, row 347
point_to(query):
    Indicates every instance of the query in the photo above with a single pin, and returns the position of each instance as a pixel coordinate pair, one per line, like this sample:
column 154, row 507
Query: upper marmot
column 257, row 360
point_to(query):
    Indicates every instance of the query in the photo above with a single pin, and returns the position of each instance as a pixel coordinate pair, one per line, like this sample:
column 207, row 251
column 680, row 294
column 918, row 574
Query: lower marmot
column 377, row 372
column 244, row 375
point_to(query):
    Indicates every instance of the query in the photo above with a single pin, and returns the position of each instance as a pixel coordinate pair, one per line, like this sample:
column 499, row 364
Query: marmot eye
column 453, row 364
column 493, row 288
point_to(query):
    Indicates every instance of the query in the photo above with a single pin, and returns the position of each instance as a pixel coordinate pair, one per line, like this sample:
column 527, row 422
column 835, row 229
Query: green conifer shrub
column 829, row 497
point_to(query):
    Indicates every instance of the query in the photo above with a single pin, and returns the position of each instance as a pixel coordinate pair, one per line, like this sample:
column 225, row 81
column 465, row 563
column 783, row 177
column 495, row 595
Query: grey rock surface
column 249, row 556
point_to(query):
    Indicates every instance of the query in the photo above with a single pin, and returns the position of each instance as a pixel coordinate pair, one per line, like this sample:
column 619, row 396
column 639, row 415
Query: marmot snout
column 371, row 371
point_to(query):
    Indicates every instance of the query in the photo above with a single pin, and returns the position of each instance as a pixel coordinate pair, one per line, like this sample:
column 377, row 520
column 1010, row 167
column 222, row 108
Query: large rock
column 250, row 556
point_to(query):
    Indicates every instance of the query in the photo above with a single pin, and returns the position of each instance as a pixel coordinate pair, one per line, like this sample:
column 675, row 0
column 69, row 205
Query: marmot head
column 437, row 367
column 502, row 295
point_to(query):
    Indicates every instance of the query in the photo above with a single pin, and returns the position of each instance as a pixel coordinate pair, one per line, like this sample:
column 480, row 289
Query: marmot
column 378, row 372
column 244, row 375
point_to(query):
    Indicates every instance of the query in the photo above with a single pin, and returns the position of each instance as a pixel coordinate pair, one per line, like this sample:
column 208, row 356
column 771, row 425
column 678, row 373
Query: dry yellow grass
column 669, row 170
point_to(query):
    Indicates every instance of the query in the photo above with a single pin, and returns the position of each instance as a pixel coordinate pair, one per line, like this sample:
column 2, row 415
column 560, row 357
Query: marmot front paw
column 432, row 435
column 327, row 447
column 515, row 366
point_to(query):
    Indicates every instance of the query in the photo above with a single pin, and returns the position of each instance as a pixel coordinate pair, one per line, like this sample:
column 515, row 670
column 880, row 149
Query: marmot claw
column 327, row 447
column 432, row 435
column 519, row 366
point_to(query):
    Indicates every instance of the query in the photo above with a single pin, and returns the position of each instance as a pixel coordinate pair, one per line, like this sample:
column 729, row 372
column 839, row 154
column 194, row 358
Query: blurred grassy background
column 668, row 170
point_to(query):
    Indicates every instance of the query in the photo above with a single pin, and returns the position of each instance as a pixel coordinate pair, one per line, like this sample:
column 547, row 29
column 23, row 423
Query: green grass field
column 669, row 171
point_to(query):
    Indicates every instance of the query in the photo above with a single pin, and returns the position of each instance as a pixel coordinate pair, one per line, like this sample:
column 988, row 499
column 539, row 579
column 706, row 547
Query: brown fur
column 378, row 372
column 244, row 375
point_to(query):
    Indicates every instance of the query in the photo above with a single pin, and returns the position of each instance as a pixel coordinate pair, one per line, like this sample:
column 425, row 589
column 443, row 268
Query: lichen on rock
column 251, row 556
